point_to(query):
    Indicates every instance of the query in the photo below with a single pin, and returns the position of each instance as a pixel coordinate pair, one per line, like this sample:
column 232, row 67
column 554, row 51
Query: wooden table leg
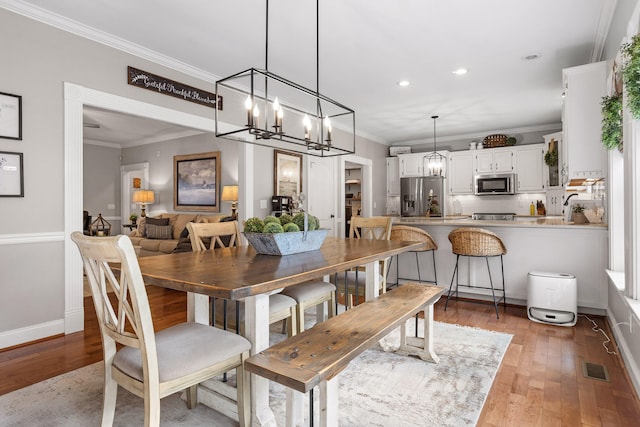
column 329, row 403
column 256, row 326
column 197, row 308
column 372, row 274
column 421, row 347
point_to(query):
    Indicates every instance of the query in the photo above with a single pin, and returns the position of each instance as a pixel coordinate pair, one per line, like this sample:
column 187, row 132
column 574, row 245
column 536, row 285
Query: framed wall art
column 10, row 116
column 11, row 175
column 287, row 173
column 196, row 182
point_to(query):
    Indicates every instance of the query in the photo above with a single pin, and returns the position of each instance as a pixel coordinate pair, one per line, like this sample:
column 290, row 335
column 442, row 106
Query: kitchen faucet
column 566, row 202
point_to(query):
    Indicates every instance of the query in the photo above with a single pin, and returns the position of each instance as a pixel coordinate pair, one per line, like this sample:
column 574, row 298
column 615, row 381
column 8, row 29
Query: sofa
column 161, row 235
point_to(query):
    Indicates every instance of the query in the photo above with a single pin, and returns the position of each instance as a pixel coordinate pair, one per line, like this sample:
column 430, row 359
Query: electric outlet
column 111, row 206
column 263, row 204
column 375, row 205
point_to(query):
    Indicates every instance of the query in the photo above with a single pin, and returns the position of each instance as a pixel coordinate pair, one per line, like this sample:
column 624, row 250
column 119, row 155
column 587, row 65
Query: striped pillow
column 162, row 232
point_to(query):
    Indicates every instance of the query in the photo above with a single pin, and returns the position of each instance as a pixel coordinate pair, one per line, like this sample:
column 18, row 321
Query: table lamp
column 143, row 198
column 230, row 194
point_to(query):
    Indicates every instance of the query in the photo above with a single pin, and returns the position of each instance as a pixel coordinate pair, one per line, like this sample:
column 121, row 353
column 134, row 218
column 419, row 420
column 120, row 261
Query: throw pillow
column 153, row 221
column 162, row 232
column 141, row 227
column 184, row 243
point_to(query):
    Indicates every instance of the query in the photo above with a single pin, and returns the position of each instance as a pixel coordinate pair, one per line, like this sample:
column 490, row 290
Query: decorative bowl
column 286, row 243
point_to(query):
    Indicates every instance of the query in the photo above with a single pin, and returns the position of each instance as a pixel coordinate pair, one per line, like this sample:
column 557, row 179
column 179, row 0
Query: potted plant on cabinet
column 133, row 218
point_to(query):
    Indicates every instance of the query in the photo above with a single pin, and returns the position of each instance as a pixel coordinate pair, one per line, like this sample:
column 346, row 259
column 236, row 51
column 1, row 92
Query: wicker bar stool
column 477, row 242
column 414, row 234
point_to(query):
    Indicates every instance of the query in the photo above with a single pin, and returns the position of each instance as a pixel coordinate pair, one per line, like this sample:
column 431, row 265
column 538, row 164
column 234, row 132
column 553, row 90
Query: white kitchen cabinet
column 584, row 87
column 494, row 160
column 555, row 175
column 411, row 164
column 415, row 164
column 461, row 172
column 393, row 176
column 555, row 201
column 529, row 168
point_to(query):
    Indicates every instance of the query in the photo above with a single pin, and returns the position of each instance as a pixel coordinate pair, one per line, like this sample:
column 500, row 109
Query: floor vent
column 595, row 371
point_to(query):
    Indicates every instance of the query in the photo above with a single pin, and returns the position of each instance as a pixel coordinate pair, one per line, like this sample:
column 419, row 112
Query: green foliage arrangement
column 284, row 223
column 285, row 219
column 312, row 221
column 290, row 228
column 551, row 157
column 578, row 208
column 272, row 227
column 612, row 121
column 133, row 217
column 253, row 225
column 631, row 74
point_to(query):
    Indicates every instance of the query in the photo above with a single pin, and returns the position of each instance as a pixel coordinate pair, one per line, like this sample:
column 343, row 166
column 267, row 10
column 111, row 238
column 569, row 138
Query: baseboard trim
column 31, row 333
column 627, row 356
column 74, row 321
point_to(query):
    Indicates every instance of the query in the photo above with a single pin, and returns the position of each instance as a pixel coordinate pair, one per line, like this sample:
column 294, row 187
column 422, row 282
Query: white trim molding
column 27, row 238
column 31, row 333
column 75, row 98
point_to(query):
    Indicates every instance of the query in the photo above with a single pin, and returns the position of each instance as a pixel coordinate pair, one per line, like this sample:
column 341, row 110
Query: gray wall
column 160, row 158
column 101, row 189
column 40, row 59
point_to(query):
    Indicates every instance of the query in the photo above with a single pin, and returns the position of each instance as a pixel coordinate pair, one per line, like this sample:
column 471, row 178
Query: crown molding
column 480, row 134
column 602, row 29
column 82, row 30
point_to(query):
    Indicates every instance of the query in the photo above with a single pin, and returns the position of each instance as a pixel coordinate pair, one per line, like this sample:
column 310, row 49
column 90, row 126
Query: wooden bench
column 317, row 355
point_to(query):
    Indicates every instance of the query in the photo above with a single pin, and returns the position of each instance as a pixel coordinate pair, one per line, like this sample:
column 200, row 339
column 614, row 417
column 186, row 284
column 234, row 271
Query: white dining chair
column 148, row 364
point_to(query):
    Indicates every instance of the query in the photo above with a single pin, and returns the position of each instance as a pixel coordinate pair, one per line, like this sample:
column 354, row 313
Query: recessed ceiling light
column 403, row 83
column 460, row 71
column 531, row 56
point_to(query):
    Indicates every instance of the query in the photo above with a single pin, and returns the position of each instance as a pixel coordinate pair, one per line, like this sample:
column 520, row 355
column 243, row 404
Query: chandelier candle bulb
column 277, row 114
column 256, row 115
column 327, row 123
column 307, row 127
column 248, row 104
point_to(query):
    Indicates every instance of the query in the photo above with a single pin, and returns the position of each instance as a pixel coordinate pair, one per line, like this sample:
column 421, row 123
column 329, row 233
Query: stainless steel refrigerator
column 422, row 196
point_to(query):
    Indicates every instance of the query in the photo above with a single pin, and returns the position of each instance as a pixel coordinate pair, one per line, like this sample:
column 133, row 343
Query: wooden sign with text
column 165, row 86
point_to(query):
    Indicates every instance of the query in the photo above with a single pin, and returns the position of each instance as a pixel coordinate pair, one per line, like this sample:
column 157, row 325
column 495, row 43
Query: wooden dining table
column 240, row 273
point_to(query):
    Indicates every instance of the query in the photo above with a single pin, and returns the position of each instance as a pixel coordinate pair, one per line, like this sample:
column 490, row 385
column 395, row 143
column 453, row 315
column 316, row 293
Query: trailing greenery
column 551, row 157
column 612, row 121
column 631, row 74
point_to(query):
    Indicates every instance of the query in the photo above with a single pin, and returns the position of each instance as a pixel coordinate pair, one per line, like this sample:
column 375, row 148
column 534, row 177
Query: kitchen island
column 544, row 244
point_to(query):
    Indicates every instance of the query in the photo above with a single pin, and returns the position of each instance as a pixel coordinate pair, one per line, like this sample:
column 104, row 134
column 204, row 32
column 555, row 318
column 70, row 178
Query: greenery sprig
column 551, row 157
column 612, row 121
column 631, row 74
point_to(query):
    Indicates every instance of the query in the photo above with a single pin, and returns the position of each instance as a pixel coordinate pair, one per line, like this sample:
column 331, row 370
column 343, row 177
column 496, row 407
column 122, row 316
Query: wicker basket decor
column 497, row 140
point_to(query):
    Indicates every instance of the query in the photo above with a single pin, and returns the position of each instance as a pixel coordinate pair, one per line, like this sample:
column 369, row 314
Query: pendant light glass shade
column 435, row 160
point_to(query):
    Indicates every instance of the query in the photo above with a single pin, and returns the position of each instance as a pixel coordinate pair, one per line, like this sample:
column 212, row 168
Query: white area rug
column 379, row 388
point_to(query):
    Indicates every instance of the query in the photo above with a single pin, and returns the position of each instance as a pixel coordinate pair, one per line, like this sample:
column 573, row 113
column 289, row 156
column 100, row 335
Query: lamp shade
column 230, row 193
column 143, row 197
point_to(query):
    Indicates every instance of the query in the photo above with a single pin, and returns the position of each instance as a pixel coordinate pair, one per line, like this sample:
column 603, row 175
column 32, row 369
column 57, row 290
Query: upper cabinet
column 584, row 88
column 415, row 164
column 494, row 160
column 530, row 168
column 555, row 168
column 461, row 172
column 393, row 176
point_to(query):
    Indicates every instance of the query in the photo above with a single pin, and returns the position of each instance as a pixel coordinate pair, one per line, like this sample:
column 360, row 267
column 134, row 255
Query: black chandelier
column 265, row 109
column 435, row 160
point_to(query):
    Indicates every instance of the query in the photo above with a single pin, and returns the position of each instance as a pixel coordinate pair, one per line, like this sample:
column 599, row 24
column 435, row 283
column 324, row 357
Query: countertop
column 523, row 221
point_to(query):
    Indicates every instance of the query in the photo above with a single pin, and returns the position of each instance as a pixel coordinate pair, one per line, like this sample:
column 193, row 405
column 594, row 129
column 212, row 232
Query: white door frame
column 75, row 98
column 366, row 187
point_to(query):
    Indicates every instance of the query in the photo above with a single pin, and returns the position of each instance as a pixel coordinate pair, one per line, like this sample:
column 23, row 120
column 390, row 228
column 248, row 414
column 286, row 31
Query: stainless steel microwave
column 495, row 184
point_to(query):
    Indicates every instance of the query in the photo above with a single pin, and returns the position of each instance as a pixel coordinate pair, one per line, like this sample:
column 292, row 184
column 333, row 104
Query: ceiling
column 366, row 47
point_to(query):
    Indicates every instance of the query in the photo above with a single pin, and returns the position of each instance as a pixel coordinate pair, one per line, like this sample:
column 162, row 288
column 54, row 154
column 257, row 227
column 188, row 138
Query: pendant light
column 435, row 160
column 266, row 109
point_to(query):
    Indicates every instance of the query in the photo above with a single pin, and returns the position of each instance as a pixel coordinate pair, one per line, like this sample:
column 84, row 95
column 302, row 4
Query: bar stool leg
column 493, row 293
column 504, row 289
column 418, row 265
column 455, row 271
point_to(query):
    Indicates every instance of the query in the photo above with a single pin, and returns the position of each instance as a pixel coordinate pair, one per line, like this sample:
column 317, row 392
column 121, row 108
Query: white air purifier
column 552, row 298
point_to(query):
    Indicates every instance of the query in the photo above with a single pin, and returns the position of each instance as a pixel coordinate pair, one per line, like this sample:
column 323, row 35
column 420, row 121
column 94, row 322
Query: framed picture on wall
column 10, row 116
column 11, row 175
column 287, row 173
column 196, row 182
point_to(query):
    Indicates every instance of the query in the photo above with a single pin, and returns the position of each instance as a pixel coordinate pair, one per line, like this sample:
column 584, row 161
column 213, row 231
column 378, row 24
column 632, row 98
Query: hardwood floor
column 540, row 381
